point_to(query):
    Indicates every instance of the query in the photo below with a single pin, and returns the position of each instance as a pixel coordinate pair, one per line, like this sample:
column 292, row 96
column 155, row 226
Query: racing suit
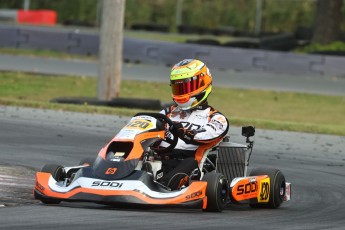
column 178, row 165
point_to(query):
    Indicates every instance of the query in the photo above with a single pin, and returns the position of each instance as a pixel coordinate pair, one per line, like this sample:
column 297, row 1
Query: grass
column 263, row 109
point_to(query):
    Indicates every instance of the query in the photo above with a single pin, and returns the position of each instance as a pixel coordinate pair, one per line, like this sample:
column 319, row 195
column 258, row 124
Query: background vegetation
column 278, row 15
column 319, row 21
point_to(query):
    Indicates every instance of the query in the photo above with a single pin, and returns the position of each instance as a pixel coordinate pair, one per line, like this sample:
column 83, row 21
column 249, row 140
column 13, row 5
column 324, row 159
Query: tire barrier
column 244, row 43
column 167, row 53
column 138, row 103
column 211, row 42
column 150, row 27
column 279, row 42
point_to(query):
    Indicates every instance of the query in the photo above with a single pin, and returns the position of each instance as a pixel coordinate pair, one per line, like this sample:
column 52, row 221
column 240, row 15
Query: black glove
column 185, row 134
column 176, row 127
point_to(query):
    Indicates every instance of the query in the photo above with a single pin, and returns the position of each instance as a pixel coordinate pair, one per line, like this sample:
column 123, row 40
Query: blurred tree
column 277, row 15
column 283, row 16
column 13, row 4
column 110, row 58
column 328, row 21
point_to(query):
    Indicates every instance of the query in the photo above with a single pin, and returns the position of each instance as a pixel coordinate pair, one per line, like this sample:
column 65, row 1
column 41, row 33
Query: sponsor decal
column 39, row 187
column 217, row 124
column 221, row 119
column 111, row 171
column 245, row 189
column 264, row 194
column 107, row 184
column 212, row 127
column 194, row 195
column 116, row 159
column 159, row 175
column 190, row 126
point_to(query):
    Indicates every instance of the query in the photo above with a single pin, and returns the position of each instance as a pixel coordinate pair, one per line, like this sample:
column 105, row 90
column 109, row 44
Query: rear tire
column 217, row 191
column 277, row 188
column 58, row 174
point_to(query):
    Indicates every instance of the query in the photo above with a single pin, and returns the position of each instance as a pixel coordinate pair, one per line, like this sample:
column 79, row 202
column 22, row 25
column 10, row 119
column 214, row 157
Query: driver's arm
column 216, row 127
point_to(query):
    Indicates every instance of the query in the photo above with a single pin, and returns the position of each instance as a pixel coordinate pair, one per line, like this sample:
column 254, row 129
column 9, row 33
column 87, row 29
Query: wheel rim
column 223, row 190
column 282, row 190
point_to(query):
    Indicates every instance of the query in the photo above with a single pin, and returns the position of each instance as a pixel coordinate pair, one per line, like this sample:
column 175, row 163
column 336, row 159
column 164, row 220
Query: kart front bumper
column 120, row 192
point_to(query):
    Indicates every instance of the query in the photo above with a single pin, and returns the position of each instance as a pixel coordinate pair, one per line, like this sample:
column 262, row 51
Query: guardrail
column 75, row 41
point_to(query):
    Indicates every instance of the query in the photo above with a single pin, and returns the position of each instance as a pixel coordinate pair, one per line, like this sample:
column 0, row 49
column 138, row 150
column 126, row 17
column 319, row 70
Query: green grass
column 264, row 109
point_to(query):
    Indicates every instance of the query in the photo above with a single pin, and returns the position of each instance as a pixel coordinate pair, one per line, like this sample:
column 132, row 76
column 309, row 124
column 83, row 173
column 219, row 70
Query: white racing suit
column 180, row 163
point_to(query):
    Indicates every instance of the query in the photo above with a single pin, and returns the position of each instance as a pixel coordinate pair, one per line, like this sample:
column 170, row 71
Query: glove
column 185, row 134
column 176, row 127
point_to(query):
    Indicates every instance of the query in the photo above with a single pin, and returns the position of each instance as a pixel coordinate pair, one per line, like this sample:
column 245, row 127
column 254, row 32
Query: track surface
column 330, row 85
column 30, row 138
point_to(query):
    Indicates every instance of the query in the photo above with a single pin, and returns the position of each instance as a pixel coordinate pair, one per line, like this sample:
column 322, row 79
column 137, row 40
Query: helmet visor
column 185, row 86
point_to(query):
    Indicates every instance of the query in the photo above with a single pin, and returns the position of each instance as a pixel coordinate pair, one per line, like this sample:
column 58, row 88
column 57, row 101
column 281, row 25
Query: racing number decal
column 264, row 194
column 140, row 124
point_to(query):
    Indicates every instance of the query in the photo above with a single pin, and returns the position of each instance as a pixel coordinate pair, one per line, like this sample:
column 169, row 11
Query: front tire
column 277, row 188
column 217, row 191
column 58, row 173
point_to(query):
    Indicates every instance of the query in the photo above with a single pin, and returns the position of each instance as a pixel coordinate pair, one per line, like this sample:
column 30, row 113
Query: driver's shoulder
column 213, row 112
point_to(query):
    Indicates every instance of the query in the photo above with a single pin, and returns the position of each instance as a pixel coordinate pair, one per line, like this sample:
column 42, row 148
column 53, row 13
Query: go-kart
column 125, row 173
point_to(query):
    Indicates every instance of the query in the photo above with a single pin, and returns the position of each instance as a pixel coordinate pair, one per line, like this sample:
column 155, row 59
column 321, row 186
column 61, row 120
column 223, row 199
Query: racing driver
column 196, row 122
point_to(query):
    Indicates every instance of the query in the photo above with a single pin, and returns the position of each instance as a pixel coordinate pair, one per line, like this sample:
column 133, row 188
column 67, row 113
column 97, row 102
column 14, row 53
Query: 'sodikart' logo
column 107, row 184
column 194, row 195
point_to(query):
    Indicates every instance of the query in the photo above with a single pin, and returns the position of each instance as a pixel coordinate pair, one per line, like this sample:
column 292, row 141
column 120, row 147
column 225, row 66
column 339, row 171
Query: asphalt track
column 330, row 85
column 30, row 138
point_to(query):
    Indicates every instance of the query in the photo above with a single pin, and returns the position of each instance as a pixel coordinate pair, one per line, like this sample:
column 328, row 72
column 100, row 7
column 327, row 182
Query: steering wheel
column 171, row 141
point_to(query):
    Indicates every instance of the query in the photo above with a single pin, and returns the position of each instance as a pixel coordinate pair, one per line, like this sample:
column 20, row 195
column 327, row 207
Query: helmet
column 191, row 83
